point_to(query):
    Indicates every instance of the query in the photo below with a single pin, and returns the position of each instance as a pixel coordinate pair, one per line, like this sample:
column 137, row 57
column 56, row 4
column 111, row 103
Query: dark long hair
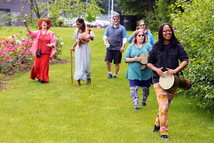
column 80, row 20
column 160, row 43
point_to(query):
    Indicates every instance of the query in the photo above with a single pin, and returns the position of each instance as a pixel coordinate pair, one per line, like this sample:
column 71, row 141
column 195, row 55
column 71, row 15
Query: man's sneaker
column 165, row 137
column 156, row 128
column 136, row 107
column 109, row 75
column 115, row 76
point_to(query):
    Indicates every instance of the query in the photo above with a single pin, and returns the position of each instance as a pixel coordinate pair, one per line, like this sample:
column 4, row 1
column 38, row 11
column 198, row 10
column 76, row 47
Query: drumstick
column 72, row 79
column 25, row 22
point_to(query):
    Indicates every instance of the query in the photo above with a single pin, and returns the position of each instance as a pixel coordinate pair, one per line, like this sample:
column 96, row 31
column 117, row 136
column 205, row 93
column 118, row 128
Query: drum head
column 167, row 82
column 144, row 58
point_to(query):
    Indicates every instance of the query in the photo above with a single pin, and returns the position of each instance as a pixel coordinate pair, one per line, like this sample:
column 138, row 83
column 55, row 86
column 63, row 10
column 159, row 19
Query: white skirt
column 82, row 62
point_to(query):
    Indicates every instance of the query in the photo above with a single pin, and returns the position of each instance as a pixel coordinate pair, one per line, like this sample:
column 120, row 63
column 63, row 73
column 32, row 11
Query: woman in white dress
column 82, row 53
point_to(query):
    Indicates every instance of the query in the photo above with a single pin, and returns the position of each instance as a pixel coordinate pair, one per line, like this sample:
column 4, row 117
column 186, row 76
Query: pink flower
column 7, row 57
column 16, row 46
column 23, row 43
column 29, row 50
column 33, row 37
column 26, row 43
column 24, row 53
column 2, row 60
column 3, row 52
column 11, row 49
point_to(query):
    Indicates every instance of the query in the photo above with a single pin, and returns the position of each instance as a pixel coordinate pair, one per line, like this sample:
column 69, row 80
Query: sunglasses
column 140, row 35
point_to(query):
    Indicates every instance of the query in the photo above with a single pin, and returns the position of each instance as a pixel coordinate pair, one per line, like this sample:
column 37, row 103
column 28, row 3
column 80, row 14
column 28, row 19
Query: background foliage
column 155, row 12
column 58, row 11
column 196, row 33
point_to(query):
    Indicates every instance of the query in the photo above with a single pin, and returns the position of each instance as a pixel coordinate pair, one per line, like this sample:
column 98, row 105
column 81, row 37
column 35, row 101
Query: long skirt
column 41, row 68
column 82, row 62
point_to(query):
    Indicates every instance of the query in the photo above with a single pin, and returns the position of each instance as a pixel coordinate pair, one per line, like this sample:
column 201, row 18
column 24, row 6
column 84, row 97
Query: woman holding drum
column 163, row 58
column 137, row 73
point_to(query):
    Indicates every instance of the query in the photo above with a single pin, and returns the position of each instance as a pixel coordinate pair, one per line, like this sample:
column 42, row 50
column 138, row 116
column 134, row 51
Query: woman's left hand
column 170, row 71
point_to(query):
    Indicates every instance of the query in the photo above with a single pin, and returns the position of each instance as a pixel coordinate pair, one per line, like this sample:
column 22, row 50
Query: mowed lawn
column 102, row 112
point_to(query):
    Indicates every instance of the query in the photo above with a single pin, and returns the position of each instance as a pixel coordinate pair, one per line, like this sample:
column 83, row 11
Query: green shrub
column 14, row 51
column 160, row 15
column 195, row 31
column 59, row 45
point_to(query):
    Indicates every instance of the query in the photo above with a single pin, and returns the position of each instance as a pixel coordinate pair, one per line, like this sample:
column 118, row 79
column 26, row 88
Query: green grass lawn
column 102, row 112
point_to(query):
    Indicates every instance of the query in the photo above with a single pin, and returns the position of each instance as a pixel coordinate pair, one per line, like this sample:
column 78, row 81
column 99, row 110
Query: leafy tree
column 75, row 8
column 161, row 13
column 6, row 0
column 153, row 11
column 135, row 7
column 195, row 31
column 39, row 8
column 57, row 9
column 104, row 4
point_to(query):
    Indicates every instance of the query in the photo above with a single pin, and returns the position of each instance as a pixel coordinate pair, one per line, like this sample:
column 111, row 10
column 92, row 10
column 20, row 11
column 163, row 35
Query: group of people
column 163, row 56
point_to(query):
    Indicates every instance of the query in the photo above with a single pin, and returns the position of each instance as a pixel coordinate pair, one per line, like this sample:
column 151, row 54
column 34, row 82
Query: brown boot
column 88, row 81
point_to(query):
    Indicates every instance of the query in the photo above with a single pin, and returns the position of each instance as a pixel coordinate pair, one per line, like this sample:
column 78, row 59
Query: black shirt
column 167, row 57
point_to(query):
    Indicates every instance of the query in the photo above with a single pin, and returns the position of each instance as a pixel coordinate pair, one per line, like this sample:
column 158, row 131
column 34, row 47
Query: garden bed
column 25, row 68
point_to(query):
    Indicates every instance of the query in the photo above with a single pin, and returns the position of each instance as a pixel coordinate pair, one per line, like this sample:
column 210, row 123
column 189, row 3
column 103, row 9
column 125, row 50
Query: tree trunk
column 150, row 5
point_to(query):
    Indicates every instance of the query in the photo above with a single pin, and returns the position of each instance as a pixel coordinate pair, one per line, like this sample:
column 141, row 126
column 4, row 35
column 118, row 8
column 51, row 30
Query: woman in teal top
column 137, row 73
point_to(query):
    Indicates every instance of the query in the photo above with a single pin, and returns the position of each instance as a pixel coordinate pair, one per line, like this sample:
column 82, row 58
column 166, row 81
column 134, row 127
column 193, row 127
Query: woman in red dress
column 44, row 47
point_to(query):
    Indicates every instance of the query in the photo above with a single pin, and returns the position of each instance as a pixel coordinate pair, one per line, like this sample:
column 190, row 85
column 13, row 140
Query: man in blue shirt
column 115, row 38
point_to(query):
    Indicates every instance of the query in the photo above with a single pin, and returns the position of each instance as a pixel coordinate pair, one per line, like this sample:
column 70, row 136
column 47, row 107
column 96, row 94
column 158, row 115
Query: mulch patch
column 25, row 68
